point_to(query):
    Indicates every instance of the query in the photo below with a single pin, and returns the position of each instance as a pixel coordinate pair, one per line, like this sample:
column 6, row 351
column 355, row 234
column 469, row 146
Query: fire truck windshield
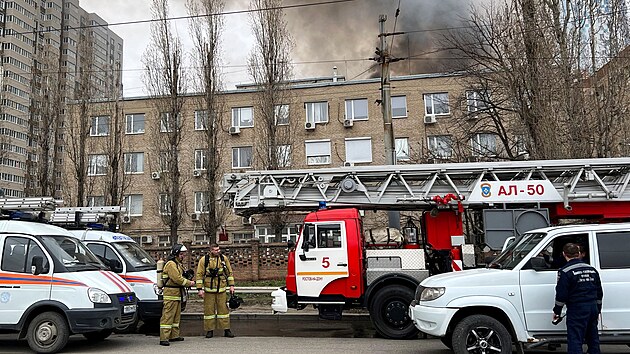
column 516, row 251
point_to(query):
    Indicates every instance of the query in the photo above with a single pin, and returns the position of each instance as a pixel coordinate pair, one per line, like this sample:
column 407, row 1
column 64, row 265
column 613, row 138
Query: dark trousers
column 581, row 326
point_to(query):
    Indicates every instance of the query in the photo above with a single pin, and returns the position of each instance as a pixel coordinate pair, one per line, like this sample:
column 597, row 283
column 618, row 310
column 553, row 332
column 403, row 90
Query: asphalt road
column 141, row 344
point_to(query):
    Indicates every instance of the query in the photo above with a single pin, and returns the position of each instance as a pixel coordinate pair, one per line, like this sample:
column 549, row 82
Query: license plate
column 129, row 309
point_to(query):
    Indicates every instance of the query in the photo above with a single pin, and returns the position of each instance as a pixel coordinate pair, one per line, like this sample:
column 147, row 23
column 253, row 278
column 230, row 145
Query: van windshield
column 516, row 251
column 71, row 253
column 135, row 256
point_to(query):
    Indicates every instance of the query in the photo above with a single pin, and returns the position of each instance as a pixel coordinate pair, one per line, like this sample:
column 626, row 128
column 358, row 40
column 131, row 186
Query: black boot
column 165, row 343
column 209, row 334
column 178, row 339
column 228, row 334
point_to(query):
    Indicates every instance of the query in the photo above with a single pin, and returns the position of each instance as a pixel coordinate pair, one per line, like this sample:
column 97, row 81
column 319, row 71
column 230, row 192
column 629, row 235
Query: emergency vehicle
column 117, row 251
column 51, row 285
column 466, row 211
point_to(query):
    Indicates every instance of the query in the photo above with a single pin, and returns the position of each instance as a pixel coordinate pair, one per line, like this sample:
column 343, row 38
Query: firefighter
column 579, row 288
column 175, row 285
column 214, row 275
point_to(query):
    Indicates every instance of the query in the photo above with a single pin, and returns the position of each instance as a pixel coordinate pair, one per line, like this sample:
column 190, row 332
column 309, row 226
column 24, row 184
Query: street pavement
column 148, row 344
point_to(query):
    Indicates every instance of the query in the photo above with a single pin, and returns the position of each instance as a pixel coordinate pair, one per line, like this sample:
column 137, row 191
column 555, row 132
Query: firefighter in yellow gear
column 174, row 289
column 214, row 276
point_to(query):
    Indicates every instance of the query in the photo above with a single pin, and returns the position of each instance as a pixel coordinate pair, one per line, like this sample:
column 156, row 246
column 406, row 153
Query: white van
column 125, row 257
column 512, row 299
column 52, row 286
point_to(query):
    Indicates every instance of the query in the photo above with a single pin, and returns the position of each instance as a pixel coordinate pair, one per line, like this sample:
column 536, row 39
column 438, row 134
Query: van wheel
column 47, row 333
column 481, row 334
column 98, row 336
column 389, row 312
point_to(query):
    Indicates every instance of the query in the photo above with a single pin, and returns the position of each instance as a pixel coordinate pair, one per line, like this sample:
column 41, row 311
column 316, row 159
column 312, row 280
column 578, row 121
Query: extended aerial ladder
column 414, row 187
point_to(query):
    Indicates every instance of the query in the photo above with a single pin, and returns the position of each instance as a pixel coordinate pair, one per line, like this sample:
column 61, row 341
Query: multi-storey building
column 40, row 61
column 333, row 123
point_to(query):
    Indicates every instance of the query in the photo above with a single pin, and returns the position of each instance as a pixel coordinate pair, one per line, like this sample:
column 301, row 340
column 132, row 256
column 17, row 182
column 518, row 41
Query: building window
column 359, row 150
column 281, row 114
column 290, row 233
column 97, row 165
column 402, row 149
column 317, row 112
column 100, row 126
column 133, row 203
column 484, row 144
column 202, row 202
column 134, row 123
column 476, row 101
column 201, row 120
column 202, row 239
column 283, row 155
column 243, row 117
column 242, row 157
column 242, row 237
column 201, row 159
column 399, row 106
column 440, row 146
column 436, row 104
column 95, row 201
column 164, row 241
column 134, row 162
column 165, row 204
column 357, row 109
column 167, row 125
column 317, row 152
column 163, row 161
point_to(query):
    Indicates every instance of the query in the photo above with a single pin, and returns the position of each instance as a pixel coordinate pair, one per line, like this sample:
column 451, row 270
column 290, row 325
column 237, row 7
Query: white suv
column 511, row 300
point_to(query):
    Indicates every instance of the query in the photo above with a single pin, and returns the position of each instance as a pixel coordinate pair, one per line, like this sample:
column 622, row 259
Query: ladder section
column 35, row 204
column 412, row 187
column 82, row 215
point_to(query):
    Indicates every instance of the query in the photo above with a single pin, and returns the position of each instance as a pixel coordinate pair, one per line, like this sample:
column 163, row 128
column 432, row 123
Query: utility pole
column 384, row 59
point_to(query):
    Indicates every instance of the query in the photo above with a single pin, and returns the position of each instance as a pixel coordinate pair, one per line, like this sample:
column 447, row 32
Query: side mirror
column 537, row 264
column 37, row 265
column 115, row 266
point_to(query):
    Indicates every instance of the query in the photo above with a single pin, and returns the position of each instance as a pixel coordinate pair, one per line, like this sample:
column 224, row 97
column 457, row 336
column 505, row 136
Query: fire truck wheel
column 98, row 336
column 47, row 333
column 390, row 312
column 481, row 334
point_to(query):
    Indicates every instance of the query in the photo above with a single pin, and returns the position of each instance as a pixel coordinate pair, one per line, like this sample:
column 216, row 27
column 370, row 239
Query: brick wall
column 250, row 262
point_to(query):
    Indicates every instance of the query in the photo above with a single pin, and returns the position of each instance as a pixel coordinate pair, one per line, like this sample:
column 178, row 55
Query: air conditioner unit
column 246, row 220
column 348, row 164
column 197, row 173
column 235, row 130
column 429, row 119
column 146, row 239
column 155, row 175
column 126, row 219
column 309, row 125
column 348, row 123
column 195, row 216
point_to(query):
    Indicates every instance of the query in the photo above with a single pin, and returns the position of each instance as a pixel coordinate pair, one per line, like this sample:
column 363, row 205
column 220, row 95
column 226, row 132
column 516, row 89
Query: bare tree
column 78, row 125
column 165, row 82
column 527, row 59
column 206, row 32
column 270, row 68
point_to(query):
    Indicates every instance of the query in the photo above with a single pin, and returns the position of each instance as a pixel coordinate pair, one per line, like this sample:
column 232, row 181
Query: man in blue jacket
column 580, row 289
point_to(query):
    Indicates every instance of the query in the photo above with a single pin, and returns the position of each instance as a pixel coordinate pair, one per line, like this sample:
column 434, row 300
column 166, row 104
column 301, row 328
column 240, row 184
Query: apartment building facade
column 41, row 58
column 333, row 123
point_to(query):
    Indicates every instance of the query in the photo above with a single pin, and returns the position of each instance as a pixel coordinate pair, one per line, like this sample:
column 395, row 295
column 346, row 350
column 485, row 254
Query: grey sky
column 342, row 35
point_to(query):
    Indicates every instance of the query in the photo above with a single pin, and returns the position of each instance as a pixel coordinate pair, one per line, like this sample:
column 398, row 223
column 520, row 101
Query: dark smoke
column 346, row 35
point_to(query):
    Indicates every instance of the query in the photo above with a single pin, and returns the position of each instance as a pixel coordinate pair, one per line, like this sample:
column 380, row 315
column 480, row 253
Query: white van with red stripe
column 125, row 257
column 52, row 286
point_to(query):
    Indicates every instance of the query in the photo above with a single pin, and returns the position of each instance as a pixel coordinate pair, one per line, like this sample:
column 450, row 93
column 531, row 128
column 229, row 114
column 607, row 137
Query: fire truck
column 466, row 211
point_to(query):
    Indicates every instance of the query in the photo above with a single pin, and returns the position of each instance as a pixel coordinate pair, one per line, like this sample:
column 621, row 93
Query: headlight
column 429, row 294
column 98, row 296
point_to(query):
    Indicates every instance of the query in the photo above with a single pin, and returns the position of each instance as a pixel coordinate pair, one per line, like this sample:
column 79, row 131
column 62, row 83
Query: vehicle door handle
column 342, row 264
column 304, row 258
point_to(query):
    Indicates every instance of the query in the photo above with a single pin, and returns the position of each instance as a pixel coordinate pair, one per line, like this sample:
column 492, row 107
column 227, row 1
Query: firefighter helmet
column 177, row 249
column 235, row 301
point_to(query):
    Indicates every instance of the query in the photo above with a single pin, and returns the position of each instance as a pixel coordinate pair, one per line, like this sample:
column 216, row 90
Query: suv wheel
column 480, row 334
